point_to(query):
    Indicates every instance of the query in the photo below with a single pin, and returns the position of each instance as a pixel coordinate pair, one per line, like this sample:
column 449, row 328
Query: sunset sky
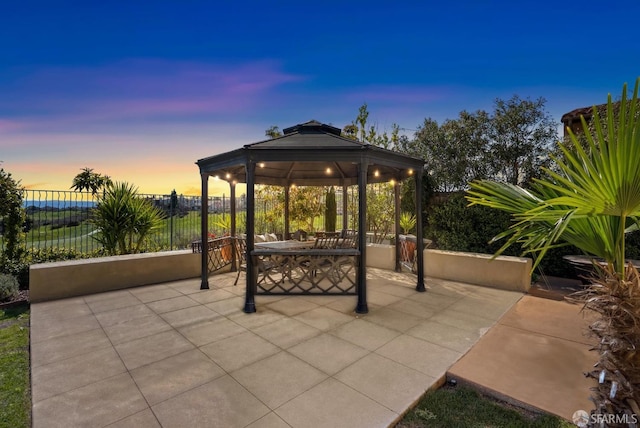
column 141, row 90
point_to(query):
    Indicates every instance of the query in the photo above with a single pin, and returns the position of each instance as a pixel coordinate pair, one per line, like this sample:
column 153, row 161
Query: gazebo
column 312, row 154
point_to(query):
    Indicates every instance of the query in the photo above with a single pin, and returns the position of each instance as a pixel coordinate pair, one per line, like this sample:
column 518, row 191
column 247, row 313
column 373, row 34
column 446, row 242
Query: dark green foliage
column 8, row 287
column 408, row 193
column 330, row 211
column 13, row 217
column 465, row 407
column 456, row 227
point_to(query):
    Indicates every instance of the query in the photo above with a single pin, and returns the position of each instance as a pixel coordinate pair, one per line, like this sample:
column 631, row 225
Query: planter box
column 381, row 256
column 69, row 278
column 504, row 272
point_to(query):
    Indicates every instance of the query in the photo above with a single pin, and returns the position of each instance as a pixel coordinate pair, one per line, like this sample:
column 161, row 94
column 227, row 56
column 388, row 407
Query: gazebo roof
column 310, row 154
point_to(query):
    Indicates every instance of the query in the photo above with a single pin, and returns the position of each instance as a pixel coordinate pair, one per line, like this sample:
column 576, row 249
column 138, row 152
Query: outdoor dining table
column 290, row 244
column 305, row 265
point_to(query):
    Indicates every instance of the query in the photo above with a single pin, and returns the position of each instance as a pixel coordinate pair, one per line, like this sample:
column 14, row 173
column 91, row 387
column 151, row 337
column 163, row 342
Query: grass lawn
column 462, row 406
column 15, row 394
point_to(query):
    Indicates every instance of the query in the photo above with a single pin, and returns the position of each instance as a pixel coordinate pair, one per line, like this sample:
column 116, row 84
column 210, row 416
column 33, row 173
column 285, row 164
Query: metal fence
column 62, row 219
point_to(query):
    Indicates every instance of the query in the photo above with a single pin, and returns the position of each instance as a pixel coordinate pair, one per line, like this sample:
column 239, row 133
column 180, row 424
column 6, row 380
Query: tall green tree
column 522, row 135
column 330, row 210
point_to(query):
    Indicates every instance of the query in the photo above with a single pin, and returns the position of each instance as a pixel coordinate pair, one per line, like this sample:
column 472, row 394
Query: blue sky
column 140, row 90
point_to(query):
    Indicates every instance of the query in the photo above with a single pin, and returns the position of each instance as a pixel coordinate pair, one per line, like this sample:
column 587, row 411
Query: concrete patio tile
column 381, row 299
column 437, row 302
column 365, row 334
column 543, row 371
column 186, row 286
column 211, row 331
column 143, row 419
column 279, row 378
column 191, row 315
column 447, row 288
column 261, row 317
column 271, row 420
column 116, row 316
column 292, row 306
column 222, row 402
column 60, row 348
column 464, row 321
column 286, row 332
column 150, row 349
column 136, row 328
column 333, row 404
column 346, row 305
column 63, row 327
column 397, row 289
column 97, row 404
column 414, row 308
column 321, row 300
column 328, row 353
column 62, row 376
column 324, row 318
column 553, row 318
column 445, row 335
column 167, row 378
column 212, row 295
column 481, row 305
column 426, row 357
column 227, row 306
column 389, row 383
column 239, row 351
column 392, row 319
column 154, row 292
column 45, row 312
column 107, row 295
column 120, row 301
column 172, row 304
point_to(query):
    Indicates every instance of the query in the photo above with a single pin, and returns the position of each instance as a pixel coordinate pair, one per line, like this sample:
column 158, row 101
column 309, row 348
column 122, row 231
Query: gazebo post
column 232, row 232
column 419, row 240
column 396, row 202
column 249, row 302
column 361, row 307
column 286, row 213
column 204, row 232
column 345, row 206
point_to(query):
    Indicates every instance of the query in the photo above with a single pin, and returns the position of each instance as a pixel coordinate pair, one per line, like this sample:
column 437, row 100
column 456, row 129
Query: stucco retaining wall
column 57, row 280
column 504, row 272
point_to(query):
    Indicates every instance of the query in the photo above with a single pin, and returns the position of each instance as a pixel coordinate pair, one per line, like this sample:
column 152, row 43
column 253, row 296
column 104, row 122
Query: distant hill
column 57, row 204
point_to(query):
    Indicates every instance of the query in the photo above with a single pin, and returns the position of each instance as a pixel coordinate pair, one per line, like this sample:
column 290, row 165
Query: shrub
column 455, row 227
column 8, row 287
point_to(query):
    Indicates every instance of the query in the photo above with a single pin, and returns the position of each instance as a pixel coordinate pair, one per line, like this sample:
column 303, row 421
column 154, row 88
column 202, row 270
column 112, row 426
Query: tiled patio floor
column 172, row 355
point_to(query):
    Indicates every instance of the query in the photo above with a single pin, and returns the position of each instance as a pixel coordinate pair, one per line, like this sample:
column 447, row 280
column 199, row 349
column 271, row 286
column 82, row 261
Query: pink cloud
column 142, row 89
column 7, row 125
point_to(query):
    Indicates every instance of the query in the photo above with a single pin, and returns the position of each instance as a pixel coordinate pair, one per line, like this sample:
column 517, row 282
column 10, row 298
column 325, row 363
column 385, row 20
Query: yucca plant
column 124, row 219
column 591, row 200
column 407, row 222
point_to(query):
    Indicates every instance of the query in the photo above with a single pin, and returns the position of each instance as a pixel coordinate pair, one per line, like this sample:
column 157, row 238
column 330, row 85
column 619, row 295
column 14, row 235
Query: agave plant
column 591, row 200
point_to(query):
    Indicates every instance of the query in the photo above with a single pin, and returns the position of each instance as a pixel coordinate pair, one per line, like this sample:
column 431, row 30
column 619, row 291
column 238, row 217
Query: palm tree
column 90, row 181
column 590, row 200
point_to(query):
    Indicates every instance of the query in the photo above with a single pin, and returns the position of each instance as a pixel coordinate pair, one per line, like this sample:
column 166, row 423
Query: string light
column 328, row 170
column 410, row 172
column 228, row 175
column 261, row 164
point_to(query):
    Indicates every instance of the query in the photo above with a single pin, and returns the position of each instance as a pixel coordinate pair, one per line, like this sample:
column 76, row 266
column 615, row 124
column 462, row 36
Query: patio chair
column 265, row 267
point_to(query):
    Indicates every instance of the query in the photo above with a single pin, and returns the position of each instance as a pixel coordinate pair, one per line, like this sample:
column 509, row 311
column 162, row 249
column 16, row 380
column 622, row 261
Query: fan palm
column 591, row 200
